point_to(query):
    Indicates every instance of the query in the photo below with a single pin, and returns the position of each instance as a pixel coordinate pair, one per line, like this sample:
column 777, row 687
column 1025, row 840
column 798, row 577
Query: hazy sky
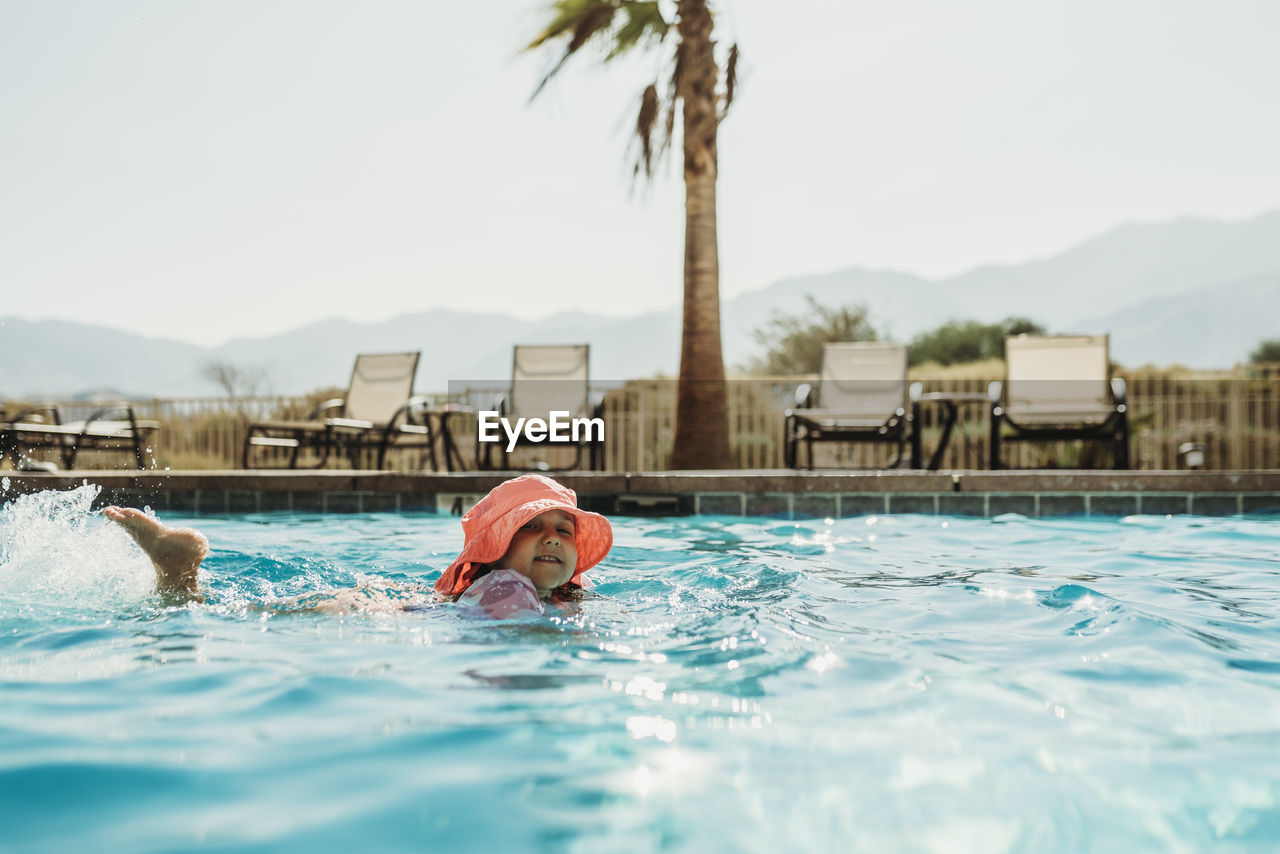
column 201, row 170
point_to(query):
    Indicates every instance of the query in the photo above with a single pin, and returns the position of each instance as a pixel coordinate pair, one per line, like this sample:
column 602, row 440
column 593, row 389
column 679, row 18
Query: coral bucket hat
column 488, row 527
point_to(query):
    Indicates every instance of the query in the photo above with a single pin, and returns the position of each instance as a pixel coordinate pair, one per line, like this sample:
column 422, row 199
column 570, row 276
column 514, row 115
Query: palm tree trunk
column 702, row 412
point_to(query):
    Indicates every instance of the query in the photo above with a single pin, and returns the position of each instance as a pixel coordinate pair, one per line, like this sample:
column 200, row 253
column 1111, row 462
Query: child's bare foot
column 175, row 552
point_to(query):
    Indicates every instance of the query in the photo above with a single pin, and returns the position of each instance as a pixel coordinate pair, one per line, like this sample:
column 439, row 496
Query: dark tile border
column 774, row 504
column 768, row 493
column 862, row 505
column 1113, row 505
column 1166, row 504
column 1261, row 503
column 815, row 506
column 913, row 503
column 1023, row 504
column 1063, row 505
column 720, row 504
column 1215, row 505
column 962, row 505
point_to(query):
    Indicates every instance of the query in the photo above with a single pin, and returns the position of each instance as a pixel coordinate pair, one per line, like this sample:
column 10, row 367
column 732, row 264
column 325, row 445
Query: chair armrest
column 595, row 401
column 332, row 403
column 413, row 411
column 101, row 413
column 34, row 414
column 804, row 396
column 448, row 410
column 354, row 423
column 913, row 411
column 1119, row 390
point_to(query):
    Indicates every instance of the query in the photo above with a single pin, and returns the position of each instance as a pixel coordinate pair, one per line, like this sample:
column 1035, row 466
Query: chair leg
column 1122, row 444
column 917, row 453
column 431, row 444
column 789, row 443
column 900, row 456
column 448, row 446
column 326, row 445
column 993, row 443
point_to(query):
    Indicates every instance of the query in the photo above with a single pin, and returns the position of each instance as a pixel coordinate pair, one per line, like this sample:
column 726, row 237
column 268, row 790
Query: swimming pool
column 874, row 684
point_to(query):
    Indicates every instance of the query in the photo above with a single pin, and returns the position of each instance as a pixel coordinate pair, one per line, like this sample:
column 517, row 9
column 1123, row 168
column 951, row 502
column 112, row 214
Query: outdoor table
column 951, row 401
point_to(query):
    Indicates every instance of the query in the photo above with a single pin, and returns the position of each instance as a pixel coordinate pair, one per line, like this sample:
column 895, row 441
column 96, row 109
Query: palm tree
column 702, row 412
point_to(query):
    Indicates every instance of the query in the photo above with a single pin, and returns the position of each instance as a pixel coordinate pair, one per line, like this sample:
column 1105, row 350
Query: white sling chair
column 862, row 396
column 1059, row 388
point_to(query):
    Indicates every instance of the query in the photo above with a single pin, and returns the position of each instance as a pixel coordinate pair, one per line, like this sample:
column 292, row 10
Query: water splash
column 56, row 553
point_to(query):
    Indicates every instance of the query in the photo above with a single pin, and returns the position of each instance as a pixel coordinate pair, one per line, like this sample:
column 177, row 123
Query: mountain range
column 1195, row 292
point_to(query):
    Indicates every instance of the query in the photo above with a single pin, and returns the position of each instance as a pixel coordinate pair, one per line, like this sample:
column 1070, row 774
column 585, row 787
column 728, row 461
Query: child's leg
column 175, row 552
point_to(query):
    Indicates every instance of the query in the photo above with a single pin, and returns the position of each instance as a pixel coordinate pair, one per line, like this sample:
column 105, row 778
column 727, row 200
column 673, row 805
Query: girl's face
column 543, row 550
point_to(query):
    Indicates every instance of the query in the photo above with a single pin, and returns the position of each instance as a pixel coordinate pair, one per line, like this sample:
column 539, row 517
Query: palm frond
column 580, row 21
column 644, row 23
column 730, row 79
column 677, row 77
column 653, row 103
column 566, row 16
column 577, row 20
column 645, row 122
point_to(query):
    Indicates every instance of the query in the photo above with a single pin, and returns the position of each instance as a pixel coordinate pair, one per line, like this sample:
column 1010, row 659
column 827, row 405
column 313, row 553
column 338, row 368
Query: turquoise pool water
column 900, row 683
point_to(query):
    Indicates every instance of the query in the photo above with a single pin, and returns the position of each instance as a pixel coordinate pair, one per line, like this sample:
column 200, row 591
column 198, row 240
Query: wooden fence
column 1235, row 414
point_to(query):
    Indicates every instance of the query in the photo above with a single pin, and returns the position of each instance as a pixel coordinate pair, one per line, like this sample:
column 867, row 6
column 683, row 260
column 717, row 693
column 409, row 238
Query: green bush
column 1266, row 351
column 962, row 341
column 793, row 342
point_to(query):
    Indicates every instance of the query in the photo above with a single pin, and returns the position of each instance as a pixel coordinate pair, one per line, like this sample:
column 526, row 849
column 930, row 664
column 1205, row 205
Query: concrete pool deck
column 776, row 493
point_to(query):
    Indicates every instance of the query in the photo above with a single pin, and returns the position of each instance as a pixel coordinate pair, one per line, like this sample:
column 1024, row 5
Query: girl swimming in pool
column 525, row 543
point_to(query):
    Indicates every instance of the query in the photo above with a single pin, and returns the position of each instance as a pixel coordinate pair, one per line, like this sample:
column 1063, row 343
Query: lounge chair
column 111, row 427
column 1059, row 388
column 545, row 379
column 862, row 396
column 377, row 413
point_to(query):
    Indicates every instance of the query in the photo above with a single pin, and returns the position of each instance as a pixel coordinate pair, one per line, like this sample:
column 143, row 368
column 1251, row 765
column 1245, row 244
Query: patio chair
column 862, row 396
column 110, row 427
column 377, row 413
column 1059, row 388
column 546, row 379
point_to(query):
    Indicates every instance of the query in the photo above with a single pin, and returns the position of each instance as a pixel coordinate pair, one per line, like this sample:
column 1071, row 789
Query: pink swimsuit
column 504, row 593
